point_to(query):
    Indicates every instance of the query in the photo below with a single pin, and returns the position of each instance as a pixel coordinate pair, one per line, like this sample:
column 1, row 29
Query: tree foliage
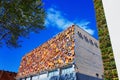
column 18, row 18
column 110, row 72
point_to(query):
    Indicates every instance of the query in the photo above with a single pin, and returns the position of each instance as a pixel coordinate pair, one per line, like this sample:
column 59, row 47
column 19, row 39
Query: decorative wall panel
column 57, row 52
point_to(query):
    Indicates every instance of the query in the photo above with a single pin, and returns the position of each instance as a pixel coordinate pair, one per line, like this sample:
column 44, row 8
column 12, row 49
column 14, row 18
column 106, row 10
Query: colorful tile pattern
column 57, row 52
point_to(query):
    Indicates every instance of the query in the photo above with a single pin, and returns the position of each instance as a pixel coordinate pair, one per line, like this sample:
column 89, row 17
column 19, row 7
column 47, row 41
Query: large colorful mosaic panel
column 55, row 53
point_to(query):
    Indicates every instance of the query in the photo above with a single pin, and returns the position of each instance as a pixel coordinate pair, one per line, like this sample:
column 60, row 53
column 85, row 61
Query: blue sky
column 60, row 15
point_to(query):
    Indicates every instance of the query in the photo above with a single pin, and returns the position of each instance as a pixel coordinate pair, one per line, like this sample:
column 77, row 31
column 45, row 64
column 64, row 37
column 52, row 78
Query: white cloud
column 56, row 19
column 85, row 25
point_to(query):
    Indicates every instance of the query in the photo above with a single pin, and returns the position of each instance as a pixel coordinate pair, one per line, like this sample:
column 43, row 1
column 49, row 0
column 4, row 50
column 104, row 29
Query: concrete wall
column 87, row 55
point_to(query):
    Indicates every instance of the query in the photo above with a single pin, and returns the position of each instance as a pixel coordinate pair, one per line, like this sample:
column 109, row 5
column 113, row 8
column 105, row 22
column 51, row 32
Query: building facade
column 7, row 75
column 71, row 55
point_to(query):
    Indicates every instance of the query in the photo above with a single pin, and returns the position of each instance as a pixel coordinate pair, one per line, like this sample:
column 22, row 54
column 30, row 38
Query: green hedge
column 110, row 72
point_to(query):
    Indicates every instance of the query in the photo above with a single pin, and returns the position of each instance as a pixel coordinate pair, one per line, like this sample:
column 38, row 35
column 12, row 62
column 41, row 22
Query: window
column 35, row 77
column 53, row 73
column 67, row 70
column 86, row 39
column 80, row 35
column 96, row 45
column 97, row 74
column 102, row 76
column 91, row 42
column 43, row 76
column 28, row 78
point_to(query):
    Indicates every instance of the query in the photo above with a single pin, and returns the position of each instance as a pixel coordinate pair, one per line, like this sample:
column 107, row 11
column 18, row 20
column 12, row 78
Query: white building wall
column 87, row 55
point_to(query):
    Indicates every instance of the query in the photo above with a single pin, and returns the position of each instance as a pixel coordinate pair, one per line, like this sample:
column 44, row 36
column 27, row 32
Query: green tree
column 110, row 72
column 18, row 18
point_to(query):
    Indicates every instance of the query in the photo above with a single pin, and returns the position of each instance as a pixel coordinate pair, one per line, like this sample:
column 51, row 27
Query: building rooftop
column 7, row 75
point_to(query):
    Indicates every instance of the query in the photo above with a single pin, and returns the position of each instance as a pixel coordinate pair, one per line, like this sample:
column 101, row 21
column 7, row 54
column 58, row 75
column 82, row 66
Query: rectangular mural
column 57, row 52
